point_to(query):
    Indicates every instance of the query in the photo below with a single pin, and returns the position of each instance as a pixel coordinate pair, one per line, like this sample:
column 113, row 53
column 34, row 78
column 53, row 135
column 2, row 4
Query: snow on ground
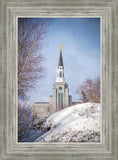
column 78, row 123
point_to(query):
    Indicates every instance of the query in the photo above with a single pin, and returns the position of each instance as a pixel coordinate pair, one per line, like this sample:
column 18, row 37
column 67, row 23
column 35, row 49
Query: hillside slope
column 79, row 123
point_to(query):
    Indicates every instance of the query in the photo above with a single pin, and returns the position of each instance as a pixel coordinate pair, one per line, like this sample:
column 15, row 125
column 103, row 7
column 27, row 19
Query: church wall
column 56, row 91
column 51, row 100
column 51, row 108
column 66, row 100
column 40, row 109
column 54, row 99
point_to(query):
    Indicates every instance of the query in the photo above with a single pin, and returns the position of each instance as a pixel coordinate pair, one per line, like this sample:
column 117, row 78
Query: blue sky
column 80, row 38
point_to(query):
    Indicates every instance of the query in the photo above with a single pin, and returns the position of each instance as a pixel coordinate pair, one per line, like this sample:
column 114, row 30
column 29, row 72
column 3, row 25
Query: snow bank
column 79, row 123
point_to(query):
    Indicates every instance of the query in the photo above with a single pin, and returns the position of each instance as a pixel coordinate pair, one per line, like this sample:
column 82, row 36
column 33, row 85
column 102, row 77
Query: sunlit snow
column 78, row 123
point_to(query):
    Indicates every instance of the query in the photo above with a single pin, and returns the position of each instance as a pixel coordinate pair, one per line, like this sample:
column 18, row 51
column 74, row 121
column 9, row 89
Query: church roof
column 60, row 59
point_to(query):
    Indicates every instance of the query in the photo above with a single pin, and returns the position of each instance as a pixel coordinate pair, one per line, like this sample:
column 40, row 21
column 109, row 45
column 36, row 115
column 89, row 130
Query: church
column 60, row 97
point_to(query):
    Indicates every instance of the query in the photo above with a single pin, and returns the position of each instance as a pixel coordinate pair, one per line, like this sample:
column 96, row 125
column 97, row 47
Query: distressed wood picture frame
column 107, row 11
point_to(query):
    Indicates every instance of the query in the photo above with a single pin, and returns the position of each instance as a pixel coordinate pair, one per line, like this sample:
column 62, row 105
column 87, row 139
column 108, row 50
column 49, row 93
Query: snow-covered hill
column 79, row 123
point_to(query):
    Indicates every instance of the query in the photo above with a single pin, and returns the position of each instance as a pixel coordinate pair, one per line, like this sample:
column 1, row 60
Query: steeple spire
column 60, row 58
column 60, row 69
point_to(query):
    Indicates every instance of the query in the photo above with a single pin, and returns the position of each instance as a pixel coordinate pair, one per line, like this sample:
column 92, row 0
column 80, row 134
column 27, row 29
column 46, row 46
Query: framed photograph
column 61, row 117
column 59, row 80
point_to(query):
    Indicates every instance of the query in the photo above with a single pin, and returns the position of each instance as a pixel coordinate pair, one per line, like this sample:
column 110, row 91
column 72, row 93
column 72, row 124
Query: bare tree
column 24, row 119
column 31, row 33
column 89, row 90
column 84, row 96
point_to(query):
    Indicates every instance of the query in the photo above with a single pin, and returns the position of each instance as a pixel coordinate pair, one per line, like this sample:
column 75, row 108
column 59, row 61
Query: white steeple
column 60, row 69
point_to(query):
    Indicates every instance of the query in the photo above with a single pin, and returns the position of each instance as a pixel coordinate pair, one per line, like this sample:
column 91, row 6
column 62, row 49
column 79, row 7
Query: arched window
column 60, row 74
column 60, row 100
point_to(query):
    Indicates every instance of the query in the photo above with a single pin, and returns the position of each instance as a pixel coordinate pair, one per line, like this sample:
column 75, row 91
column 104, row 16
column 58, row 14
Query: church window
column 60, row 99
column 60, row 74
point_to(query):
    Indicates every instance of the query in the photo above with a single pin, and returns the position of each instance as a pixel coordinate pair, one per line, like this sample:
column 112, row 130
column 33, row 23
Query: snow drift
column 79, row 123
